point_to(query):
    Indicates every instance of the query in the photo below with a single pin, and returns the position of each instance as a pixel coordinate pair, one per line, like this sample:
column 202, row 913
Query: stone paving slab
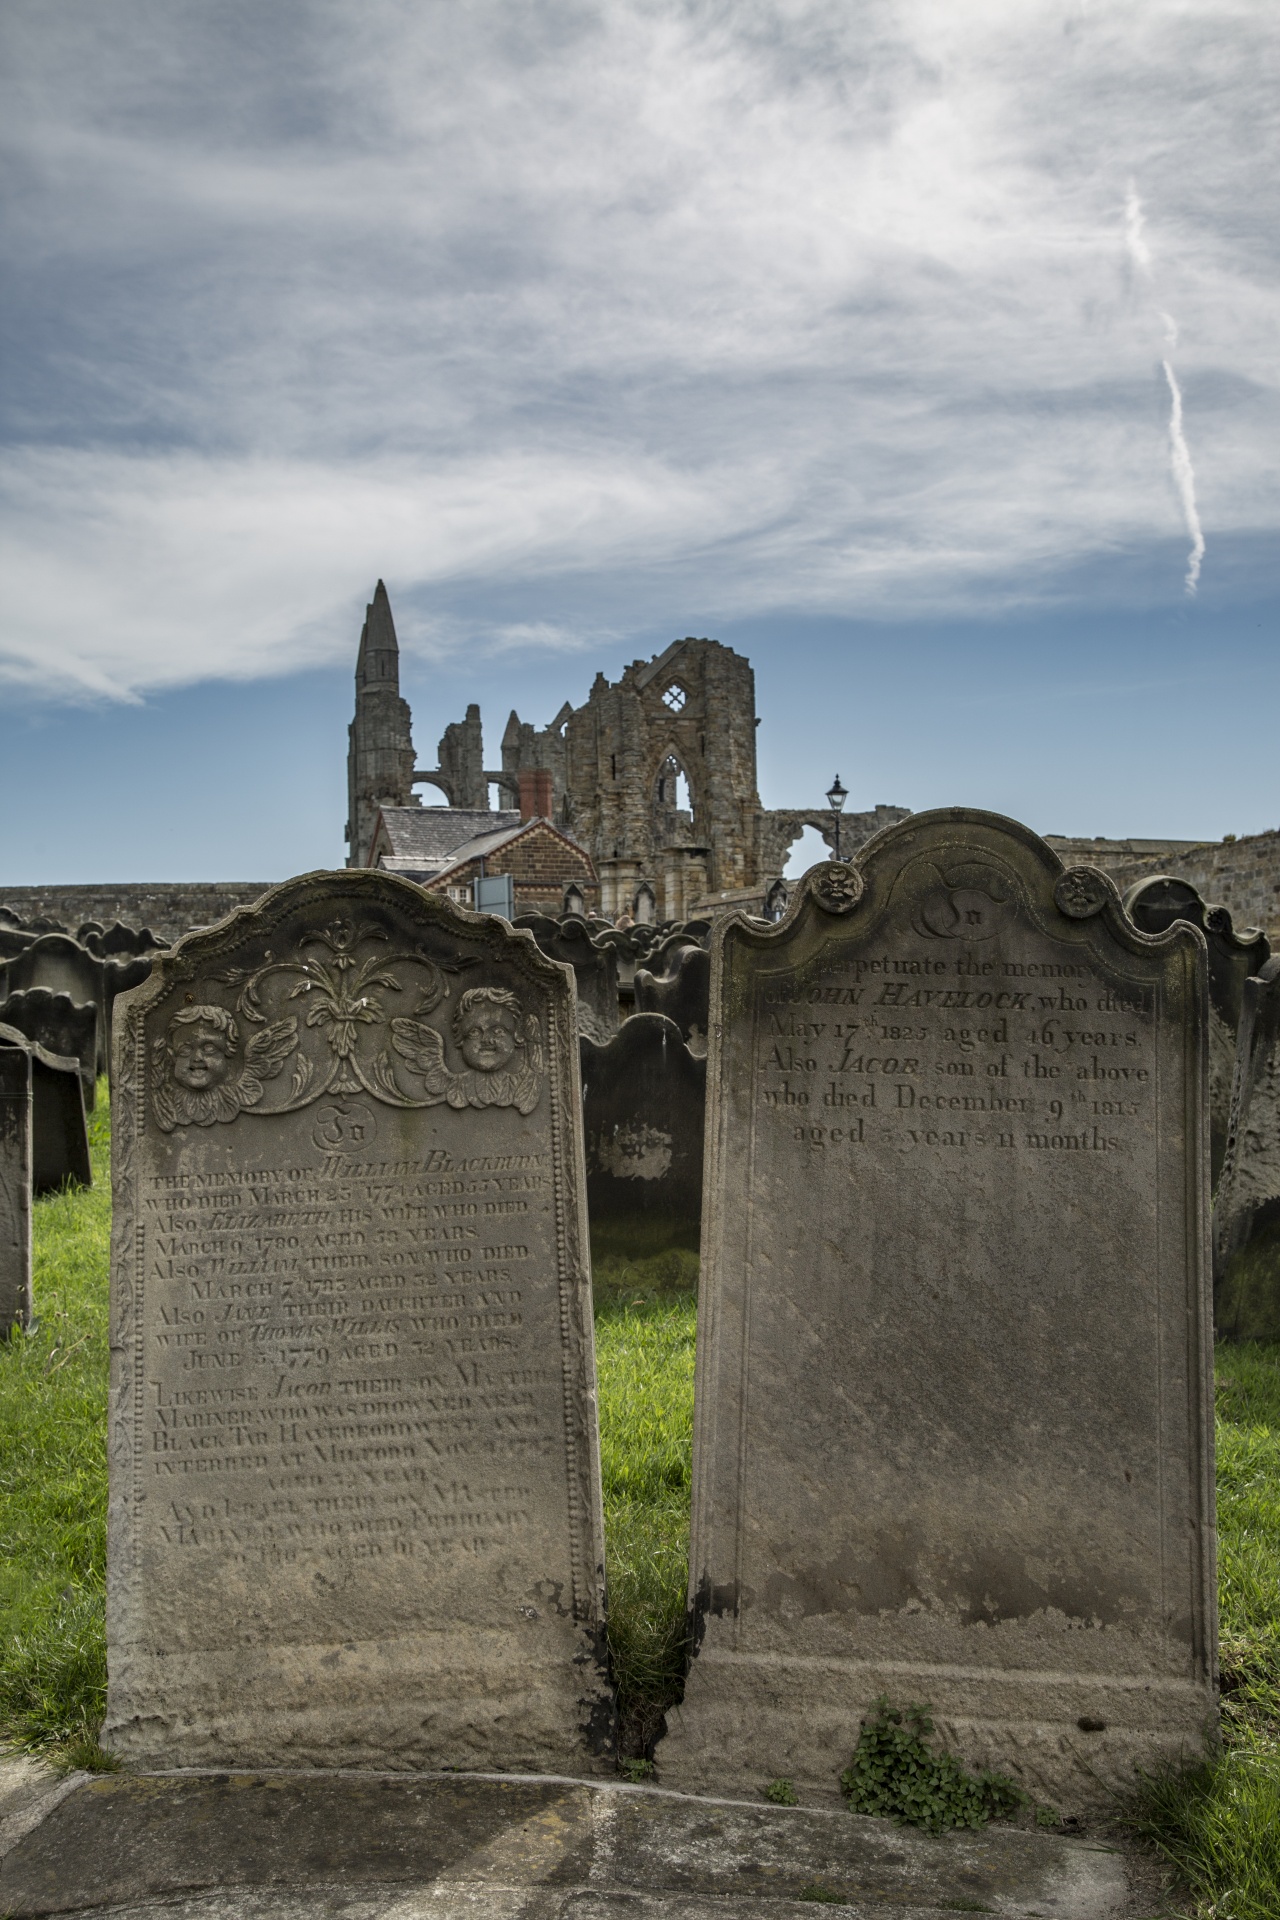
column 29, row 1789
column 281, row 1846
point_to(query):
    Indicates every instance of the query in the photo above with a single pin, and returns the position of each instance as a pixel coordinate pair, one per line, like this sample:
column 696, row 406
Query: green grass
column 1218, row 1823
column 53, row 1476
column 645, row 1319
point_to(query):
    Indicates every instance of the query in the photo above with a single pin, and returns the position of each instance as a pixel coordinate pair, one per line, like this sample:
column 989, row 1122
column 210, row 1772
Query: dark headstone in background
column 58, row 964
column 1153, row 905
column 15, row 1190
column 119, row 941
column 59, row 1137
column 569, row 939
column 643, row 1102
column 54, row 1021
column 682, row 993
column 1246, row 1216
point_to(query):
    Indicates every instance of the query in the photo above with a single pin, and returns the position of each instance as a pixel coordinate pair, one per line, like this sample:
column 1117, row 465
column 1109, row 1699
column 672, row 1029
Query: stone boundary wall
column 169, row 908
column 1242, row 875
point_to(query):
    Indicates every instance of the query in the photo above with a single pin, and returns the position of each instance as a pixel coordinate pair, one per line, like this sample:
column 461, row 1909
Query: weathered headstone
column 355, row 1499
column 682, row 993
column 59, row 1137
column 953, row 1437
column 15, row 1190
column 1246, row 1215
column 595, row 969
column 1154, row 905
column 54, row 1021
column 55, row 963
column 643, row 1108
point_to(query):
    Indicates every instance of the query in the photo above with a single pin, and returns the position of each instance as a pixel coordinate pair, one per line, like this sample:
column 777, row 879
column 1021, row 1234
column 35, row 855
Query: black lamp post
column 836, row 797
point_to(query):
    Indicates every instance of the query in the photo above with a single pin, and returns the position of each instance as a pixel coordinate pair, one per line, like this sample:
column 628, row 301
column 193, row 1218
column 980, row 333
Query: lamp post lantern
column 836, row 797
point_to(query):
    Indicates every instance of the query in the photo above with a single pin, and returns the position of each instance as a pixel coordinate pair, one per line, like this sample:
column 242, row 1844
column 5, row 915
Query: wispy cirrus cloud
column 784, row 304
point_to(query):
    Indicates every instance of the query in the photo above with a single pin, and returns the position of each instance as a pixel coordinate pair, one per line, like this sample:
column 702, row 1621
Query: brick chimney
column 535, row 794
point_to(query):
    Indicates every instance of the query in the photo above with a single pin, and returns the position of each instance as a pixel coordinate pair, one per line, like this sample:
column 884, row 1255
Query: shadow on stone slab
column 276, row 1845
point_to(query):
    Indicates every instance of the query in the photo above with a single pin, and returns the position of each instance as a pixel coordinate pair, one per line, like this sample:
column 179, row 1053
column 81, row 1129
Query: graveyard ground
column 1219, row 1824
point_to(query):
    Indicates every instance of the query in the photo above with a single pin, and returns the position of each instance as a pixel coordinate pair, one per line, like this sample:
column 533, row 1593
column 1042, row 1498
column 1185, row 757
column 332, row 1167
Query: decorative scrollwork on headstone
column 837, row 887
column 1081, row 892
column 211, row 1065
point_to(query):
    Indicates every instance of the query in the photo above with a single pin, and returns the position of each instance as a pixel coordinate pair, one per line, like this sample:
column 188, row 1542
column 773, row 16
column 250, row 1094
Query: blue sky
column 927, row 354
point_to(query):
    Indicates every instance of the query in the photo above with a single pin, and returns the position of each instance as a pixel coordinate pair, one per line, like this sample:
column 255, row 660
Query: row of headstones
column 644, row 1097
column 44, row 1145
column 56, row 999
column 74, row 983
column 117, row 941
column 953, row 1433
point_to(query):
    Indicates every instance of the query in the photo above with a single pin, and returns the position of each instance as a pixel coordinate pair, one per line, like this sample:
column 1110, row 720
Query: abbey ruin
column 654, row 776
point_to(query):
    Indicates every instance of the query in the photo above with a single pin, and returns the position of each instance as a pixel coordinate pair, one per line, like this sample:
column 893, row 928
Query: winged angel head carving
column 500, row 1044
column 202, row 1072
column 211, row 1065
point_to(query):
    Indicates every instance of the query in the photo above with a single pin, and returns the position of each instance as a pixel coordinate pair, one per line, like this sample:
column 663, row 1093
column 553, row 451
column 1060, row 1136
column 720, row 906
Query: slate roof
column 487, row 843
column 428, row 839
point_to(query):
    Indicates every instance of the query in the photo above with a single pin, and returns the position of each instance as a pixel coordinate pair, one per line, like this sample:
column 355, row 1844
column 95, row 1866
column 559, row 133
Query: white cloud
column 777, row 304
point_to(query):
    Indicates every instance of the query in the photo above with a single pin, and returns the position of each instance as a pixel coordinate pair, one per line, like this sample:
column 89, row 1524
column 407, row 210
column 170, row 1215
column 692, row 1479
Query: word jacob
column 954, row 1412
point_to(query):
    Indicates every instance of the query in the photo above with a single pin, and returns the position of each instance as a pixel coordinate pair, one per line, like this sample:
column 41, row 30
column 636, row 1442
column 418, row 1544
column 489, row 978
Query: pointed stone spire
column 378, row 662
column 380, row 752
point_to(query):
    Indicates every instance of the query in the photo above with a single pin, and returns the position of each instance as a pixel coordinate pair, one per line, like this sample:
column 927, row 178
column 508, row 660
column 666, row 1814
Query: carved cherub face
column 201, row 1047
column 200, row 1053
column 486, row 1027
column 205, row 1074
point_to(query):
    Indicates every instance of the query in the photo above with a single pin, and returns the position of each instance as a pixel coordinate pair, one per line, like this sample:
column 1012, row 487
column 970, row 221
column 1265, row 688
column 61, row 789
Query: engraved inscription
column 346, row 1340
column 958, row 1054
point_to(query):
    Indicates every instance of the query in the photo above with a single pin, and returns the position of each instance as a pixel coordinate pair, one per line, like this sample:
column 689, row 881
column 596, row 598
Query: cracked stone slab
column 29, row 1789
column 280, row 1846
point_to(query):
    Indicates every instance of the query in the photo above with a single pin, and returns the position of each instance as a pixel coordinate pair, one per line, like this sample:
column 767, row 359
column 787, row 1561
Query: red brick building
column 447, row 849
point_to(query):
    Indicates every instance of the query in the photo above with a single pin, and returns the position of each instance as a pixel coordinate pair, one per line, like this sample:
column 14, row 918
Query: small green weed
column 895, row 1774
column 814, row 1890
column 636, row 1770
column 782, row 1793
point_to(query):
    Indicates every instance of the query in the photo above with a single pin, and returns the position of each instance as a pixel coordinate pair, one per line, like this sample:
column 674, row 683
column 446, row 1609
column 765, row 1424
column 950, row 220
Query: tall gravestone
column 953, row 1435
column 15, row 1190
column 355, row 1512
column 1155, row 904
column 1246, row 1215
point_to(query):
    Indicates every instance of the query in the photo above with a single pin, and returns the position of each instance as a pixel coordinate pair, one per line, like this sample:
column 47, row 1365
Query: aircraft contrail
column 1184, row 477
